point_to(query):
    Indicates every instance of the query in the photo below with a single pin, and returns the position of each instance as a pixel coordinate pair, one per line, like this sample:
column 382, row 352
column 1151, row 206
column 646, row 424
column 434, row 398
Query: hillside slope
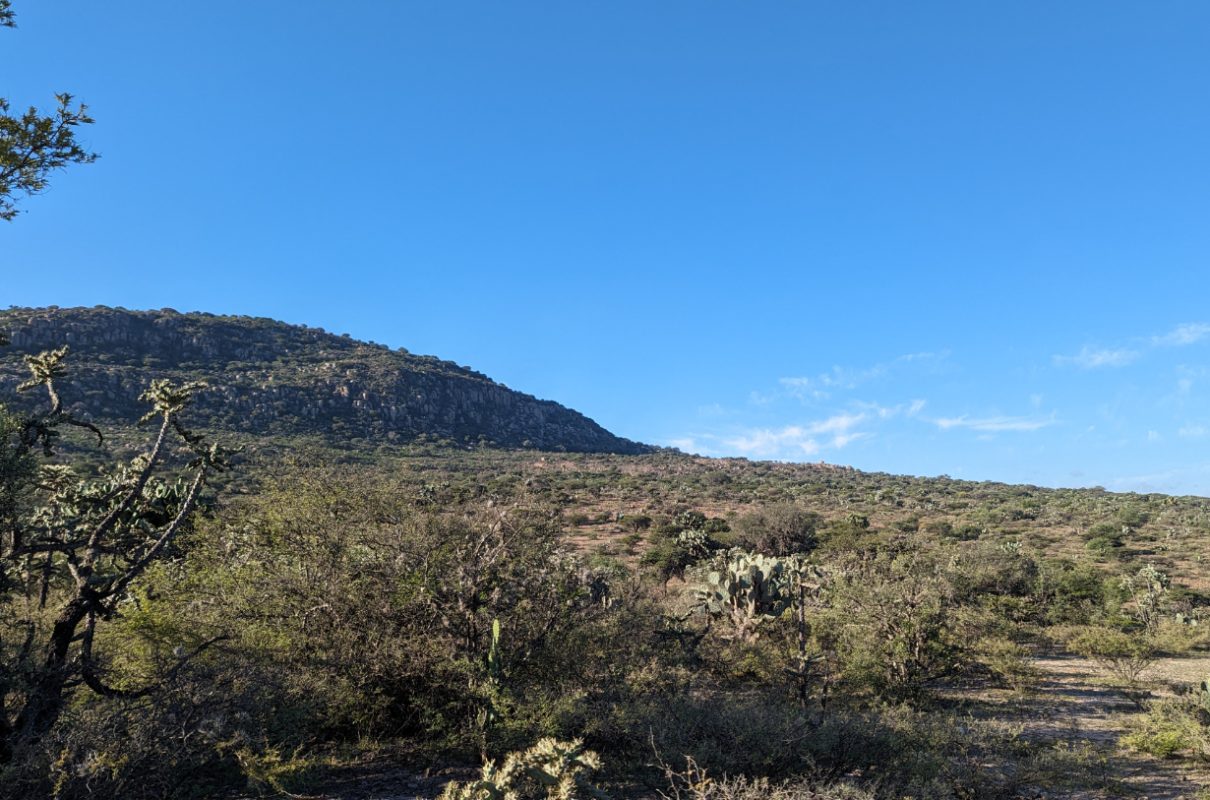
column 271, row 377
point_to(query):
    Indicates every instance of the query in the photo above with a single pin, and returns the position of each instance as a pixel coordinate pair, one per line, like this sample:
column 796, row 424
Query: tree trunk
column 44, row 701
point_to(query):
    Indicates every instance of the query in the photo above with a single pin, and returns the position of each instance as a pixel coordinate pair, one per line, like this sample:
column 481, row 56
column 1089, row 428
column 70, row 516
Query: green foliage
column 848, row 534
column 1147, row 589
column 636, row 522
column 1171, row 727
column 33, row 145
column 684, row 542
column 778, row 530
column 747, row 589
column 890, row 622
column 17, row 470
column 696, row 783
column 994, row 571
column 468, row 607
column 208, row 729
column 1067, row 592
column 72, row 550
column 1125, row 656
column 1008, row 660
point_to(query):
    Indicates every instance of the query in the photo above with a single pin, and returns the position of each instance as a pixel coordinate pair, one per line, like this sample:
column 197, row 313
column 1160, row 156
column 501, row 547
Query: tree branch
column 91, row 675
column 113, row 516
column 137, row 568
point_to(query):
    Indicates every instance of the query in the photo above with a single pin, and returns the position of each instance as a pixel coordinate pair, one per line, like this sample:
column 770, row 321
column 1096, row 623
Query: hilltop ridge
column 270, row 377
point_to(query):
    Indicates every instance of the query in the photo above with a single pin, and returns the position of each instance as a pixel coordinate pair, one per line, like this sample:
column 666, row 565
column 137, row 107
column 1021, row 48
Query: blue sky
column 959, row 238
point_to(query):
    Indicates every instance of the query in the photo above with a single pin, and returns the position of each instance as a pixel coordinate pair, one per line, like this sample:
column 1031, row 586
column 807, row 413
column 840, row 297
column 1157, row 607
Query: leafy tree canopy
column 34, row 144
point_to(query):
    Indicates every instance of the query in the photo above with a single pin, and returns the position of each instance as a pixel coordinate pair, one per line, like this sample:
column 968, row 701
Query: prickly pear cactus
column 696, row 543
column 749, row 588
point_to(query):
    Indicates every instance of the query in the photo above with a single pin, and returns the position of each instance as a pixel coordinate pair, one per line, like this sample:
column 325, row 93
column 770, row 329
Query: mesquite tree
column 72, row 547
column 33, row 144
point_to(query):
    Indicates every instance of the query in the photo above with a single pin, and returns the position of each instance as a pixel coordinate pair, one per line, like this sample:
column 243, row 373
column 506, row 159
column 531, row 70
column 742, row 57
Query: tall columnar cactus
column 491, row 687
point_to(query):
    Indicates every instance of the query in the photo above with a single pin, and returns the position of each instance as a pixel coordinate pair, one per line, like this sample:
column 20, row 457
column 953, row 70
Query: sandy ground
column 1070, row 706
column 1073, row 705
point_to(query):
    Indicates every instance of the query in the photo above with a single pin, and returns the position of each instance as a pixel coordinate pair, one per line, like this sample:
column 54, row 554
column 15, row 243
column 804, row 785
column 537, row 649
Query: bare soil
column 1072, row 709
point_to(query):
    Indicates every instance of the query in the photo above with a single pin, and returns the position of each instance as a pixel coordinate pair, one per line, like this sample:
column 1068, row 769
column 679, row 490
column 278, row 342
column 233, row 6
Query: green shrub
column 890, row 622
column 674, row 550
column 777, row 530
column 1066, row 592
column 636, row 522
column 1171, row 727
column 695, row 783
column 1009, row 660
column 939, row 528
column 382, row 613
column 1124, row 656
column 217, row 726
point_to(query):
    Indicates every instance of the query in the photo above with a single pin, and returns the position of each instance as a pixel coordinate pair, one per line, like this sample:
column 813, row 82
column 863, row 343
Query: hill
column 911, row 637
column 269, row 377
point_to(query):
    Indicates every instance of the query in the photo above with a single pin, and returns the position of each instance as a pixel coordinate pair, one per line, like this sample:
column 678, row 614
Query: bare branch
column 91, row 674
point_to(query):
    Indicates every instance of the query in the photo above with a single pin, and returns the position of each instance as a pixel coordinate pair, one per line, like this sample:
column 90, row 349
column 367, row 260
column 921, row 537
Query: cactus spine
column 550, row 769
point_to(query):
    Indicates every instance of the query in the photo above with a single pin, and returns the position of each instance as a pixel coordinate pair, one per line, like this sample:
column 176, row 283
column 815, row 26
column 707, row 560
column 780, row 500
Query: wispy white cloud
column 686, row 444
column 767, row 443
column 808, row 439
column 837, row 379
column 1185, row 334
column 1093, row 358
column 838, row 423
column 842, row 439
column 1156, row 481
column 1192, row 431
column 821, row 387
column 890, row 412
column 1189, row 478
column 800, row 440
column 997, row 424
column 1097, row 357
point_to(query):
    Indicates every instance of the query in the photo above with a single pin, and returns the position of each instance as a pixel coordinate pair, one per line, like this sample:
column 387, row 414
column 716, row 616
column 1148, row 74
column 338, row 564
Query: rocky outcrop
column 270, row 377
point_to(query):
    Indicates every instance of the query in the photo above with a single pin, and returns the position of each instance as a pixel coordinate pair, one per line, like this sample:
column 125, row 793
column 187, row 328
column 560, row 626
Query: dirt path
column 1072, row 710
column 1071, row 717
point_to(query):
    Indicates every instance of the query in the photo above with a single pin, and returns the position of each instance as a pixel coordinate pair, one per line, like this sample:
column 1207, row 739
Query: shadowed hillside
column 271, row 377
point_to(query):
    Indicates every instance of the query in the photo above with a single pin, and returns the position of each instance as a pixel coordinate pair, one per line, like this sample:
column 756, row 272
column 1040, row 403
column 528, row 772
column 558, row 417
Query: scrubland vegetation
column 520, row 624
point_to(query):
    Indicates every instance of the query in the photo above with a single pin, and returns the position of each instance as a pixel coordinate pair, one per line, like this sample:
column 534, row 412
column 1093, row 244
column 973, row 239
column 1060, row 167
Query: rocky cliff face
column 270, row 377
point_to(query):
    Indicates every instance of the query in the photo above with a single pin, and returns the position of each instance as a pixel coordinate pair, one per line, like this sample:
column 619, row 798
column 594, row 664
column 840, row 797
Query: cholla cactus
column 1147, row 588
column 550, row 769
